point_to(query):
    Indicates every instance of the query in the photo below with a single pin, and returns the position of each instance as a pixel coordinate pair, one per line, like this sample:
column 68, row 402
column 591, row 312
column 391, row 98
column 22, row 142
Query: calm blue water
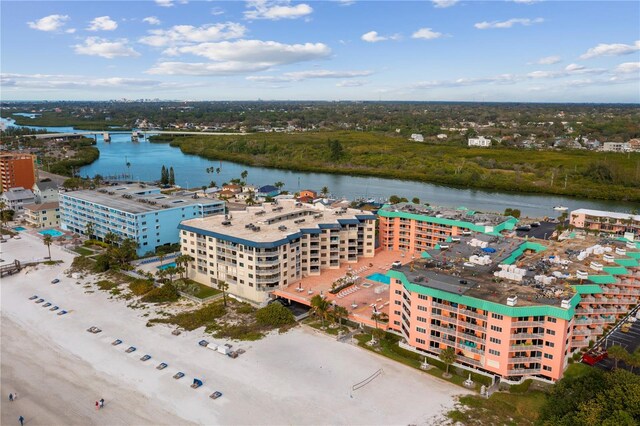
column 167, row 266
column 146, row 159
column 19, row 228
column 381, row 278
column 52, row 232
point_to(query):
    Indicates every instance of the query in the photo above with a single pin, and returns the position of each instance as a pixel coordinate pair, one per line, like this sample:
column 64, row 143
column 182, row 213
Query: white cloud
column 275, row 10
column 216, row 11
column 70, row 82
column 374, row 37
column 49, row 23
column 164, row 3
column 346, row 2
column 102, row 23
column 549, row 60
column 306, row 75
column 96, row 46
column 427, row 34
column 441, row 4
column 70, row 30
column 240, row 56
column 508, row 24
column 351, row 83
column 628, row 67
column 151, row 20
column 615, row 49
column 526, row 1
column 574, row 67
column 181, row 34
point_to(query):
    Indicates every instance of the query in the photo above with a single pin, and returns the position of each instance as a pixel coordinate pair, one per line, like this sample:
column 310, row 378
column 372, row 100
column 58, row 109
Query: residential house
column 45, row 191
column 480, row 141
column 44, row 215
column 16, row 198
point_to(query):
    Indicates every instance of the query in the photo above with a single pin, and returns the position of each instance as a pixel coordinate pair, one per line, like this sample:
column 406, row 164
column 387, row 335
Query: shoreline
column 291, row 378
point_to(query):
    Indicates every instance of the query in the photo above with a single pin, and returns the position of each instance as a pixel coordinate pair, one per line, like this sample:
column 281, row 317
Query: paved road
column 56, row 178
column 630, row 341
column 542, row 232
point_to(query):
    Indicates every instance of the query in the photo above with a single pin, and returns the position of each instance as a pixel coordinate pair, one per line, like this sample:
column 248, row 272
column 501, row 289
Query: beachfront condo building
column 607, row 222
column 44, row 215
column 511, row 308
column 414, row 228
column 17, row 170
column 139, row 212
column 262, row 248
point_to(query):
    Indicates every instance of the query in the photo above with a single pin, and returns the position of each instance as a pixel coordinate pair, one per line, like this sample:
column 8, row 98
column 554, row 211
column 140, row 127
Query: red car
column 592, row 358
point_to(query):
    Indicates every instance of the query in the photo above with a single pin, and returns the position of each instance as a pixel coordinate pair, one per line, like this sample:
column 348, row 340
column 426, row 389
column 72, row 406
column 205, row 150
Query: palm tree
column 448, row 356
column 279, row 185
column 320, row 307
column 161, row 257
column 340, row 312
column 47, row 242
column 223, row 287
column 111, row 238
column 88, row 229
column 324, row 191
column 617, row 353
column 244, row 175
column 170, row 272
column 183, row 260
column 3, row 206
column 634, row 359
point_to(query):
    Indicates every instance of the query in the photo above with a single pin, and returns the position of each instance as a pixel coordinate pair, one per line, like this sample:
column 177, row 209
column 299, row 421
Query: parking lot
column 542, row 232
column 630, row 341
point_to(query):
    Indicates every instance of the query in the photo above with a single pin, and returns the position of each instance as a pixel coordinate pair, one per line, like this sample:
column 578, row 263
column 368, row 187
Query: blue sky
column 518, row 50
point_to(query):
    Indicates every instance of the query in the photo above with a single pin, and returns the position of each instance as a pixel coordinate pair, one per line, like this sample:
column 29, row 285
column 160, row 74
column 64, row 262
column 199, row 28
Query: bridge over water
column 124, row 132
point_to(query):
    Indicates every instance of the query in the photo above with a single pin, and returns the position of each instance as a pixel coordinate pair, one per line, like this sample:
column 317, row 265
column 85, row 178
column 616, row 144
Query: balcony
column 523, row 371
column 472, row 314
column 469, row 348
column 514, row 348
column 527, row 324
column 443, row 306
column 472, row 326
column 520, row 336
column 519, row 360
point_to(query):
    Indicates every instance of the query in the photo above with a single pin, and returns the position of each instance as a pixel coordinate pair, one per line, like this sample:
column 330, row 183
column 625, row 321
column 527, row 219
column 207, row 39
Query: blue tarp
column 489, row 250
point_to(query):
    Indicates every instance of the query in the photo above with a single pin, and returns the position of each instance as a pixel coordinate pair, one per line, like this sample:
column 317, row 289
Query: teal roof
column 485, row 305
column 627, row 262
column 634, row 254
column 520, row 250
column 587, row 289
column 602, row 279
column 616, row 270
column 425, row 255
column 509, row 222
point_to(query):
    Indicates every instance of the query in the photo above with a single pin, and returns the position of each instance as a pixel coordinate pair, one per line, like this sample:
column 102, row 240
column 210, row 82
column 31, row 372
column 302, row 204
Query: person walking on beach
column 21, row 420
column 15, row 396
column 10, row 397
column 97, row 405
column 102, row 403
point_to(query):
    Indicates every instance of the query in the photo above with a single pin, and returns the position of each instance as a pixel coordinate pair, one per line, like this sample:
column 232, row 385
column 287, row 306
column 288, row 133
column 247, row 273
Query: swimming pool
column 167, row 265
column 19, row 228
column 381, row 278
column 52, row 232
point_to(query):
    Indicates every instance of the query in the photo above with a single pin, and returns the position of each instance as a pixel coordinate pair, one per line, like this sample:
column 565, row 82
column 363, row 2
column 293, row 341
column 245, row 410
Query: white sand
column 301, row 377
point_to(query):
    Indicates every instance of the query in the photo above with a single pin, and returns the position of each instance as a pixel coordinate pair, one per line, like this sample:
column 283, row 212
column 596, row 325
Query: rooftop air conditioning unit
column 512, row 301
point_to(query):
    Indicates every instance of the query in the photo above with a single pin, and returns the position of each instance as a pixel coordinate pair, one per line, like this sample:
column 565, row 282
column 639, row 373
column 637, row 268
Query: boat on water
column 139, row 134
column 134, row 137
column 106, row 137
column 561, row 208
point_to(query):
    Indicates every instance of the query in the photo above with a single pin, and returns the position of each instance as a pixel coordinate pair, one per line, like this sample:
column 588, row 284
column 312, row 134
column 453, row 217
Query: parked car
column 215, row 395
column 56, row 281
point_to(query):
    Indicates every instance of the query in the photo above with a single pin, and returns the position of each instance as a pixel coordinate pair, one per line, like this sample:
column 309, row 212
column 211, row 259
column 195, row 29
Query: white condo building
column 260, row 249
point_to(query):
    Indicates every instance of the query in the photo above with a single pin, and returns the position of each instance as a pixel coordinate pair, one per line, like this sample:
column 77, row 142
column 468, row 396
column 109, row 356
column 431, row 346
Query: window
column 494, row 340
column 493, row 352
column 422, row 319
column 551, row 319
column 421, row 341
column 551, row 332
column 423, row 297
column 421, row 330
column 549, row 344
column 497, row 316
column 396, row 323
column 496, row 328
column 548, row 356
column 546, row 368
column 396, row 312
column 397, row 302
column 398, row 292
column 423, row 308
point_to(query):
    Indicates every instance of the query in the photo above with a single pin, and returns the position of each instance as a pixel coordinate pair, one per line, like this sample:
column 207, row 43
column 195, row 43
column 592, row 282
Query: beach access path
column 299, row 377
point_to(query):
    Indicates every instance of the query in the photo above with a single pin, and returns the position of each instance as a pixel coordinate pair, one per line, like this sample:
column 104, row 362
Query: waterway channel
column 146, row 159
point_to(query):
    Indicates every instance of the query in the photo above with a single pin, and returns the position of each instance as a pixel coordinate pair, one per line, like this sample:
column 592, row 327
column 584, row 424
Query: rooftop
column 139, row 198
column 460, row 214
column 41, row 207
column 613, row 215
column 274, row 222
column 496, row 268
column 45, row 184
column 18, row 193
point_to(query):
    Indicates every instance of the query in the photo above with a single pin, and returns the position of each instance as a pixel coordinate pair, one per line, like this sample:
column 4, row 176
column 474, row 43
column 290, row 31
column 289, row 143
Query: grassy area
column 576, row 369
column 195, row 289
column 389, row 348
column 500, row 409
column 236, row 321
column 106, row 285
column 54, row 119
column 83, row 251
column 569, row 172
column 317, row 324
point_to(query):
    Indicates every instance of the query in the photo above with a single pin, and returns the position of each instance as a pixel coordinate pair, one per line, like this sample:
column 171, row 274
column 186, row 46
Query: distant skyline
column 441, row 50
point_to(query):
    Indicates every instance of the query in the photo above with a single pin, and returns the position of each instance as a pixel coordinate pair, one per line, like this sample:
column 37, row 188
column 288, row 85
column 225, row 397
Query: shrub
column 274, row 315
column 195, row 319
column 239, row 332
column 140, row 287
column 106, row 285
column 166, row 293
column 103, row 263
column 82, row 264
column 521, row 388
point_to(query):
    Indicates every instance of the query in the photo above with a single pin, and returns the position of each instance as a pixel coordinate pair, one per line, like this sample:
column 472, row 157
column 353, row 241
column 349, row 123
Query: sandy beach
column 301, row 377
